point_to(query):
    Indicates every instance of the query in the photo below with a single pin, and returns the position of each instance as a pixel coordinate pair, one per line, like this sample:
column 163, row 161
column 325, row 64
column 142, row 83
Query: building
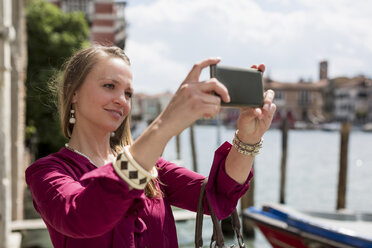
column 327, row 100
column 148, row 107
column 13, row 57
column 106, row 19
column 353, row 99
column 302, row 102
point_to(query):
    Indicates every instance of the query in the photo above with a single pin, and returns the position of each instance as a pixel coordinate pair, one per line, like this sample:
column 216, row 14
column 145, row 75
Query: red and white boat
column 285, row 227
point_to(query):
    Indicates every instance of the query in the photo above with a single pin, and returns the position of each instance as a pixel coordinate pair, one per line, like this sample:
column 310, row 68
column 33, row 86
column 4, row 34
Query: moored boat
column 367, row 127
column 285, row 227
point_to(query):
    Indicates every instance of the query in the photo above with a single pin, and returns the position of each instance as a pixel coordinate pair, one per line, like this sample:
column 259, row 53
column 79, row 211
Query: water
column 312, row 170
column 312, row 174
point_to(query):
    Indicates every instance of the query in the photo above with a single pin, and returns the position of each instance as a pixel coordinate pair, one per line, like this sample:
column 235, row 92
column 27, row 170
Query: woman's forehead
column 111, row 68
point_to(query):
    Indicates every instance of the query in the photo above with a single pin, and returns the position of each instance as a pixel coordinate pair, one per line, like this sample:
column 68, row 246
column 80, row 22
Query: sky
column 166, row 37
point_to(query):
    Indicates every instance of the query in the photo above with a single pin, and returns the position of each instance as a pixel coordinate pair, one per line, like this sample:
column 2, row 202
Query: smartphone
column 245, row 85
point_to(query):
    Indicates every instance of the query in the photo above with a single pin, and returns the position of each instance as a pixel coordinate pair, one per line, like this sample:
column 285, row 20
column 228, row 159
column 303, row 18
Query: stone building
column 12, row 108
column 327, row 100
column 105, row 17
column 301, row 102
column 353, row 99
column 148, row 107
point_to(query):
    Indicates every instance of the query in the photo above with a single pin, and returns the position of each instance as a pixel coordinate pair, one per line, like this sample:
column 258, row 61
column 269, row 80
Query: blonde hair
column 75, row 71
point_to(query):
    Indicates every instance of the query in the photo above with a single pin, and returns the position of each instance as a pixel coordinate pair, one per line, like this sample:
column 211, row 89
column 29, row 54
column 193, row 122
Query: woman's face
column 103, row 100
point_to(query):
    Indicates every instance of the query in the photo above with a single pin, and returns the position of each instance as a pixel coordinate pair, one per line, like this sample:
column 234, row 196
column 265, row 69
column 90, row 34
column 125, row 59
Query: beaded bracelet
column 246, row 149
column 131, row 172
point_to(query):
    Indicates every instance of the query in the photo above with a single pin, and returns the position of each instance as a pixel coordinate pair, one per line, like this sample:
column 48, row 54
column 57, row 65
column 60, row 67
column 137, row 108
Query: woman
column 102, row 189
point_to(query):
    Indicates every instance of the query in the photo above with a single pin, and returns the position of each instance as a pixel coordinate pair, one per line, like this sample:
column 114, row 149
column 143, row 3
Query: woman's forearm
column 148, row 147
column 238, row 166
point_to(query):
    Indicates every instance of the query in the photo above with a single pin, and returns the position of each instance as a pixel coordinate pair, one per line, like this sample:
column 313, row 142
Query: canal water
column 312, row 170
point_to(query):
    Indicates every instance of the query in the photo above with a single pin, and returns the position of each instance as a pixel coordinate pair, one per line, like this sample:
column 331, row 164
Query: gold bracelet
column 131, row 172
column 246, row 149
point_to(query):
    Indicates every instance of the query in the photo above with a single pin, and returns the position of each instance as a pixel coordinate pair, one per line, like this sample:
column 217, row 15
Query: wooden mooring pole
column 178, row 147
column 193, row 150
column 283, row 166
column 247, row 225
column 245, row 202
column 342, row 175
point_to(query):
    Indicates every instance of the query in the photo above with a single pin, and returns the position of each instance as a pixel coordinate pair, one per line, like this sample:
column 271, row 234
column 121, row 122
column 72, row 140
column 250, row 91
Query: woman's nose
column 121, row 99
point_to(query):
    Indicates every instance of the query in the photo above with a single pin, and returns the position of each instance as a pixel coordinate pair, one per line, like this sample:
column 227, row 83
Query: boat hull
column 284, row 227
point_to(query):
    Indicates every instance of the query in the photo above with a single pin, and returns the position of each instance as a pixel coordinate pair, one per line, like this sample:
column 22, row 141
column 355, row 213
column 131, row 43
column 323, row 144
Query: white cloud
column 152, row 70
column 289, row 36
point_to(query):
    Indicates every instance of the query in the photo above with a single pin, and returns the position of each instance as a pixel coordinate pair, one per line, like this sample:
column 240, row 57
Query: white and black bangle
column 153, row 174
column 131, row 172
column 246, row 149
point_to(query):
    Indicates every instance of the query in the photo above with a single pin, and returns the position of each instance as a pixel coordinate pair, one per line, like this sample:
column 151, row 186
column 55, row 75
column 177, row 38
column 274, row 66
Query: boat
column 367, row 127
column 332, row 126
column 285, row 227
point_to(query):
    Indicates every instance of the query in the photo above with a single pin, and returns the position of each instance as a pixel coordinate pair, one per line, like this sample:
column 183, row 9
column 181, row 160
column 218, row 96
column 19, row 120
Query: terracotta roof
column 344, row 82
column 295, row 86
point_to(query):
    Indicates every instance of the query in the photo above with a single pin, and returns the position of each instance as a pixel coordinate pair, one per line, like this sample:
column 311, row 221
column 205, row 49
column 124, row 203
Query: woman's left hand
column 253, row 122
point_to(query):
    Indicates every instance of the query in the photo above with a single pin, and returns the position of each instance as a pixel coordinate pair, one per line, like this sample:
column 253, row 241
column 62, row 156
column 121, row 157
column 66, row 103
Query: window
column 304, row 98
column 279, row 95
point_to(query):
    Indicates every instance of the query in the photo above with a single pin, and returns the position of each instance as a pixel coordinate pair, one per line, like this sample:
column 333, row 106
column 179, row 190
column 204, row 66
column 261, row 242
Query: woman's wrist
column 247, row 138
column 251, row 149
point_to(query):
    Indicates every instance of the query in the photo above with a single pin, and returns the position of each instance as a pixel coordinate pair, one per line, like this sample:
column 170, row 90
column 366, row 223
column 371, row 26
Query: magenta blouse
column 86, row 206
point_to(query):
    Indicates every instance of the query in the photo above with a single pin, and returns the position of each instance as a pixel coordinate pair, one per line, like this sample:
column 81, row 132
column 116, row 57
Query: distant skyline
column 166, row 37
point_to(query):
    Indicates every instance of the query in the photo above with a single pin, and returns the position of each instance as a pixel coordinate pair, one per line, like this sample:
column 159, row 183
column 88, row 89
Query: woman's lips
column 117, row 114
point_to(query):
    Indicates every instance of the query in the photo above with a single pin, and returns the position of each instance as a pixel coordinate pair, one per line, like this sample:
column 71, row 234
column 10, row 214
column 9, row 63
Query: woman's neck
column 94, row 145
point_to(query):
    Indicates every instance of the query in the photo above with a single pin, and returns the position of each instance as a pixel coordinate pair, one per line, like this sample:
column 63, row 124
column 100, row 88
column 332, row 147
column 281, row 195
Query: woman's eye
column 128, row 94
column 109, row 86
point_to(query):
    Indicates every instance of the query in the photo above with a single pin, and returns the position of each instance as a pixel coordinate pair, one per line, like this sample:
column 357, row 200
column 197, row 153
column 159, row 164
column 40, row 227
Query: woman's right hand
column 194, row 99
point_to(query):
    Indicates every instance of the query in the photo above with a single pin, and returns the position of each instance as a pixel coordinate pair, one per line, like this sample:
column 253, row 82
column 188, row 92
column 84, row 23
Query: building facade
column 299, row 102
column 303, row 102
column 353, row 100
column 106, row 19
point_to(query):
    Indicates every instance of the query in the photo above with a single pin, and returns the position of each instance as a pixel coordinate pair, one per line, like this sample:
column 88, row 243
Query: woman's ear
column 74, row 97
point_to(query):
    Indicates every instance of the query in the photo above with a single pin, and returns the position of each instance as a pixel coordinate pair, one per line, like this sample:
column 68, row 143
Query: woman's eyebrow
column 108, row 78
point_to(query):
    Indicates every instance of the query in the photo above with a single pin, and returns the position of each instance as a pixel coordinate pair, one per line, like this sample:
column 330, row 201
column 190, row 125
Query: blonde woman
column 102, row 189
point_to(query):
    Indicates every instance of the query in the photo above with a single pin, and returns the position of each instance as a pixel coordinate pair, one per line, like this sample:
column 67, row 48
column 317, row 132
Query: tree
column 53, row 36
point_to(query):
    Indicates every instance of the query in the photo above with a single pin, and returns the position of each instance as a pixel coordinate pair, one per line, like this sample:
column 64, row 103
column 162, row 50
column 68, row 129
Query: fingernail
column 266, row 107
column 272, row 107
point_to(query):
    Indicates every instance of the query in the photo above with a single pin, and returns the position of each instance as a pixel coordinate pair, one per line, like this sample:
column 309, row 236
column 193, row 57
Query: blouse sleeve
column 85, row 208
column 182, row 186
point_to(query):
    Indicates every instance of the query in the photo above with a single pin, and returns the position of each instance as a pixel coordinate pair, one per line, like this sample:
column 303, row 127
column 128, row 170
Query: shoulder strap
column 199, row 217
column 217, row 236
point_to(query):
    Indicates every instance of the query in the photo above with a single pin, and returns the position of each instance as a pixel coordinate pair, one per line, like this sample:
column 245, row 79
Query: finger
column 211, row 99
column 194, row 74
column 269, row 96
column 258, row 113
column 214, row 85
column 262, row 68
column 211, row 110
column 268, row 99
column 272, row 110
